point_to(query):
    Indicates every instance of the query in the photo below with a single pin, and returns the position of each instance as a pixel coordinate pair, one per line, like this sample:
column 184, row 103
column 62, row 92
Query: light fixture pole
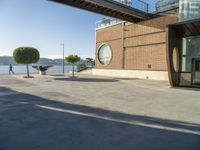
column 63, row 46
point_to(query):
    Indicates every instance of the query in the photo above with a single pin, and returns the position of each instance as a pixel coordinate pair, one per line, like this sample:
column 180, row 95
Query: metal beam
column 108, row 8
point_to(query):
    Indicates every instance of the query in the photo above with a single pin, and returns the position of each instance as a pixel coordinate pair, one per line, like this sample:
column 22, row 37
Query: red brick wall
column 116, row 61
column 144, row 44
column 112, row 36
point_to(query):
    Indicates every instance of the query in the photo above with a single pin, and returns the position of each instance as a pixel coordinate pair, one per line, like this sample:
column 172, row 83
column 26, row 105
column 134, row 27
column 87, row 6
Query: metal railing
column 137, row 4
column 105, row 22
column 166, row 5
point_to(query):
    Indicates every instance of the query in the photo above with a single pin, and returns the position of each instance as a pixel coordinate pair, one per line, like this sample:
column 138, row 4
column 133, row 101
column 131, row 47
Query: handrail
column 137, row 4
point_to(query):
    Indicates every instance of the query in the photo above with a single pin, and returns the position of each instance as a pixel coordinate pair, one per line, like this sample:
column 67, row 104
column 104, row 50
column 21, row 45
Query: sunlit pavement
column 96, row 113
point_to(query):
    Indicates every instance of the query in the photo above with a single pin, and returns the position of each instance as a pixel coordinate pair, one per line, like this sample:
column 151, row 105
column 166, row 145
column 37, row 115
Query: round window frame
column 175, row 53
column 111, row 53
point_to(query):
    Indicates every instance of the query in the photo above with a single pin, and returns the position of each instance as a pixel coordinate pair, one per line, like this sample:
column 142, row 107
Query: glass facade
column 137, row 4
column 191, row 49
column 125, row 2
column 190, row 74
column 163, row 5
column 105, row 22
column 189, row 9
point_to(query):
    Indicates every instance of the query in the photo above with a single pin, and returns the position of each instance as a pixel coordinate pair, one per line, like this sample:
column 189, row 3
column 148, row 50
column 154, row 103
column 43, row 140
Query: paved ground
column 96, row 113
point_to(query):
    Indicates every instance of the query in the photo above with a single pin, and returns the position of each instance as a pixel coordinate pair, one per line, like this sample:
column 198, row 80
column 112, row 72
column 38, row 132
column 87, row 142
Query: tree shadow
column 57, row 75
column 81, row 79
column 31, row 122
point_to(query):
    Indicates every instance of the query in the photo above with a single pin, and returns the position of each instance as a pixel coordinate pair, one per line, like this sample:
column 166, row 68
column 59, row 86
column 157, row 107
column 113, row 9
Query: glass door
column 190, row 52
column 195, row 71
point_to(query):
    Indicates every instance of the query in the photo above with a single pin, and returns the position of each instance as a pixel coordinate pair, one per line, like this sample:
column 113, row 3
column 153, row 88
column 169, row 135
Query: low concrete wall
column 152, row 75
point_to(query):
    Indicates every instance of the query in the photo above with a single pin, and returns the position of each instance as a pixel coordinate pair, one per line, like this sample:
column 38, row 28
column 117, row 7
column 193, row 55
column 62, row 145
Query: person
column 11, row 69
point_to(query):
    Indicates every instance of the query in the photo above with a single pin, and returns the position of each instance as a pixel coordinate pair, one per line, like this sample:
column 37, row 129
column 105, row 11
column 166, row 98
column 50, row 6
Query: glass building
column 125, row 2
column 189, row 9
column 138, row 46
column 164, row 5
column 185, row 36
column 137, row 4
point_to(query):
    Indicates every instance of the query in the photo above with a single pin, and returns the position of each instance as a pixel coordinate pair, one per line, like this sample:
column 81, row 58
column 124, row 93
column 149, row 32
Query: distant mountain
column 6, row 60
column 48, row 61
column 60, row 61
column 81, row 62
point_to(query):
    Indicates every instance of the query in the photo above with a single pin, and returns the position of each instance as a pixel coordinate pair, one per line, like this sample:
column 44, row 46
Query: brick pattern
column 144, row 42
column 116, row 61
column 146, row 39
column 110, row 33
column 146, row 58
column 149, row 26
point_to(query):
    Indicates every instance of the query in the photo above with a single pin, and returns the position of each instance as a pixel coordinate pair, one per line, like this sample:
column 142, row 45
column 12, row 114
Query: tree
column 26, row 55
column 72, row 59
column 90, row 61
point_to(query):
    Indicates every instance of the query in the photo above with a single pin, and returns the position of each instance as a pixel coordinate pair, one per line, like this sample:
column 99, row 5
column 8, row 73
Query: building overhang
column 108, row 8
column 186, row 28
column 175, row 33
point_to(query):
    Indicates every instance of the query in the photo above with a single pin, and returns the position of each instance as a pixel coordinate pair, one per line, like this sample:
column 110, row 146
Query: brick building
column 138, row 49
column 160, row 45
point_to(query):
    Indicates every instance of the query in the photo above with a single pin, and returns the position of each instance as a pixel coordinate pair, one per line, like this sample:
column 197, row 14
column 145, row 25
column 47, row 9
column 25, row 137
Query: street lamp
column 63, row 45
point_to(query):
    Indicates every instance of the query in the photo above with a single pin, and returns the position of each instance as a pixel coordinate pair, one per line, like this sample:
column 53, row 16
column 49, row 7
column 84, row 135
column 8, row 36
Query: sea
column 21, row 69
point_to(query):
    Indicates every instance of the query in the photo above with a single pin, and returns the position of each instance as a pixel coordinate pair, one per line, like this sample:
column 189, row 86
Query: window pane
column 189, row 9
column 105, row 54
column 191, row 49
column 183, row 64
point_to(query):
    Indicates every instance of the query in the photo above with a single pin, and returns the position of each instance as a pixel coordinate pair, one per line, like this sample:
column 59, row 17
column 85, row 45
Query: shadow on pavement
column 30, row 122
column 81, row 79
column 188, row 88
column 57, row 75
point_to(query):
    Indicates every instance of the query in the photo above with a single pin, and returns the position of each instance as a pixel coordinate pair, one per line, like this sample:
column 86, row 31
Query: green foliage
column 81, row 67
column 72, row 59
column 26, row 55
column 90, row 61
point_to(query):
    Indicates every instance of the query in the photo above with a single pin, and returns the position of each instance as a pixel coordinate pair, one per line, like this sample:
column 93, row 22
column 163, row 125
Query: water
column 21, row 69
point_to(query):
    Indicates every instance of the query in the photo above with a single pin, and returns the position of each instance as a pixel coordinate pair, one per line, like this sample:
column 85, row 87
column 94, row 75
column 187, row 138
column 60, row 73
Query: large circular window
column 105, row 54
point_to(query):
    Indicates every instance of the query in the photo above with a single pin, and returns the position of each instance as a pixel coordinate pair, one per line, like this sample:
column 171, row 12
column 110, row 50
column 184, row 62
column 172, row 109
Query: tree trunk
column 27, row 70
column 73, row 70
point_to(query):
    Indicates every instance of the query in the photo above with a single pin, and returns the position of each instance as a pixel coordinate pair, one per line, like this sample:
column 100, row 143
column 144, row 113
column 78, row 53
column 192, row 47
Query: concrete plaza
column 56, row 112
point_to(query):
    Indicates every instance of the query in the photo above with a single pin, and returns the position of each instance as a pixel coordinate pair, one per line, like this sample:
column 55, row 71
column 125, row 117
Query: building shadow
column 30, row 122
column 188, row 88
column 82, row 79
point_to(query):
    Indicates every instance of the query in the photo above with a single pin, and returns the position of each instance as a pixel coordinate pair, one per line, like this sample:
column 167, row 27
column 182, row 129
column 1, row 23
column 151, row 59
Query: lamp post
column 63, row 45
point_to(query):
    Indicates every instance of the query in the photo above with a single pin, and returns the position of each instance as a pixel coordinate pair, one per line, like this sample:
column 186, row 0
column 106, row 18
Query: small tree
column 90, row 61
column 72, row 59
column 26, row 55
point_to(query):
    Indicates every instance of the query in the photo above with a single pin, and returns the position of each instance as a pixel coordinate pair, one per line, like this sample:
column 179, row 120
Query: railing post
column 122, row 46
column 147, row 8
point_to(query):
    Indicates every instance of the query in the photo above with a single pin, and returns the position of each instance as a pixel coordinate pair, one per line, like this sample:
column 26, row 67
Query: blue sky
column 45, row 25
